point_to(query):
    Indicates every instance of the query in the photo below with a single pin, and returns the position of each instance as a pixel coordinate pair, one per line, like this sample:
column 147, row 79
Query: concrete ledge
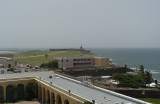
column 107, row 91
column 63, row 91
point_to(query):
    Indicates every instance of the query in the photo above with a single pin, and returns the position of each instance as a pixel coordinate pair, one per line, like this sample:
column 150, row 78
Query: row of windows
column 87, row 63
column 77, row 60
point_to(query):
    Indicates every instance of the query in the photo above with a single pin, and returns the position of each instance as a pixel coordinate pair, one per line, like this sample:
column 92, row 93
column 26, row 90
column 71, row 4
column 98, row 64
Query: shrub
column 51, row 64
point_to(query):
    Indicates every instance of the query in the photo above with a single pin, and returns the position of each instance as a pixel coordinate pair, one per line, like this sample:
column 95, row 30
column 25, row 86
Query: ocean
column 149, row 57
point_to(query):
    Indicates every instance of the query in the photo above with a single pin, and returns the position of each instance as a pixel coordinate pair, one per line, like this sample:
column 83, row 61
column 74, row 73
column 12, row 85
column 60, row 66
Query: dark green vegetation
column 98, row 72
column 50, row 65
column 152, row 100
column 139, row 79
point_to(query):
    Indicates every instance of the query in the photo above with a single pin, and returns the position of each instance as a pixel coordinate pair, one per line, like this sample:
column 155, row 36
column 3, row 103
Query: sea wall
column 139, row 93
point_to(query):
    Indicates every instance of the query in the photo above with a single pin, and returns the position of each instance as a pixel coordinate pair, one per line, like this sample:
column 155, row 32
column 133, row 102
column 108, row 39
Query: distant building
column 102, row 62
column 6, row 62
column 83, row 63
column 76, row 63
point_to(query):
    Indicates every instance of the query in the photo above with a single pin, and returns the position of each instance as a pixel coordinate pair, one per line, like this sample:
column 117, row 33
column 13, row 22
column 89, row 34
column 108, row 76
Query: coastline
column 133, row 57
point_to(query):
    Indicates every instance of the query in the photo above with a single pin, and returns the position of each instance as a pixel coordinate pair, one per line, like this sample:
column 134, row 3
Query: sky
column 70, row 23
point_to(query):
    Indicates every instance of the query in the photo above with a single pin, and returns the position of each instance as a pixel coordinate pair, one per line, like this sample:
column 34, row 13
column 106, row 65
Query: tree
column 156, row 82
column 141, row 67
column 127, row 80
column 125, row 66
column 51, row 64
column 148, row 77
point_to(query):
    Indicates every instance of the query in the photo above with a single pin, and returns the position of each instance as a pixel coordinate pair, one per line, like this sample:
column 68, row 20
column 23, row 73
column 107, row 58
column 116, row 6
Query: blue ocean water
column 149, row 57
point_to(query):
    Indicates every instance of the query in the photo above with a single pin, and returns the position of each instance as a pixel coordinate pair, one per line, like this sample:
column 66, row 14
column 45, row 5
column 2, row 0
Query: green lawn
column 151, row 100
column 38, row 57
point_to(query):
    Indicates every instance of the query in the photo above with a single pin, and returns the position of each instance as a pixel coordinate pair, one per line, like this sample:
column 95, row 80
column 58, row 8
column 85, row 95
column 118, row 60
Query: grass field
column 151, row 100
column 39, row 57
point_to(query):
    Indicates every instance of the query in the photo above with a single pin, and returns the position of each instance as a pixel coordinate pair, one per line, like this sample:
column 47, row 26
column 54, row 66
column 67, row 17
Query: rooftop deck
column 89, row 92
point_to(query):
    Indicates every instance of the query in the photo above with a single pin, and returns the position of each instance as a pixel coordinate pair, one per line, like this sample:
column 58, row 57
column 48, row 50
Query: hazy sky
column 68, row 23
